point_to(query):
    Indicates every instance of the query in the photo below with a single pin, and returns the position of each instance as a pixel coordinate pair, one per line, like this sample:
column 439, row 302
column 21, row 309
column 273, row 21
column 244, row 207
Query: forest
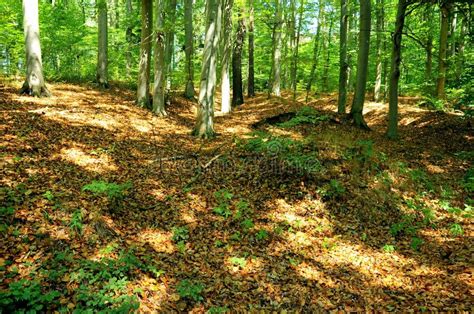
column 219, row 156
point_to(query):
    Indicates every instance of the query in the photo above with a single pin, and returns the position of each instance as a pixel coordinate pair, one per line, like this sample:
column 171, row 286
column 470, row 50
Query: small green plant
column 261, row 235
column 305, row 115
column 188, row 289
column 238, row 261
column 27, row 296
column 223, row 198
column 76, row 222
column 114, row 192
column 180, row 234
column 416, row 243
column 456, row 230
column 247, row 224
column 217, row 310
column 420, row 176
column 468, row 183
column 388, row 248
column 236, row 236
column 48, row 195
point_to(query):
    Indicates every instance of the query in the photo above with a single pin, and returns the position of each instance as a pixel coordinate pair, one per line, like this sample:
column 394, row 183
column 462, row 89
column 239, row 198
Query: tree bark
column 314, row 62
column 294, row 68
column 205, row 114
column 143, row 86
column 276, row 79
column 169, row 40
column 158, row 107
column 251, row 74
column 443, row 45
column 343, row 62
column 102, row 58
column 188, row 30
column 328, row 55
column 128, row 37
column 378, row 62
column 392, row 131
column 362, row 65
column 34, row 83
column 237, row 88
column 227, row 50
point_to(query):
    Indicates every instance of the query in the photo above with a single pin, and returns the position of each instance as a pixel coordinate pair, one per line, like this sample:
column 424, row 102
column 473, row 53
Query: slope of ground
column 105, row 206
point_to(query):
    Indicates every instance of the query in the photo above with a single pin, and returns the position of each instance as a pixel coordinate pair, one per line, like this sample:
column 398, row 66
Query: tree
column 128, row 36
column 102, row 58
column 143, row 86
column 378, row 63
column 188, row 48
column 226, row 53
column 343, row 62
column 362, row 65
column 294, row 68
column 275, row 81
column 395, row 75
column 158, row 107
column 237, row 88
column 169, row 40
column 443, row 46
column 34, row 83
column 316, row 43
column 204, row 127
column 251, row 79
column 328, row 54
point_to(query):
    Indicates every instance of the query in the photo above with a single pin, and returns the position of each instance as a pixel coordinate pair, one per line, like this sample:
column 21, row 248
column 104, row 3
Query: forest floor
column 105, row 206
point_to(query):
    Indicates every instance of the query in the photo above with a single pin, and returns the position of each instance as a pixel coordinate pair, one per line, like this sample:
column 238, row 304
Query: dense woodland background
column 334, row 170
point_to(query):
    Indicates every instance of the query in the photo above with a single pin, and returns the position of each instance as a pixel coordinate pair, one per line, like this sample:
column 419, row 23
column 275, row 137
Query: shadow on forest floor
column 381, row 225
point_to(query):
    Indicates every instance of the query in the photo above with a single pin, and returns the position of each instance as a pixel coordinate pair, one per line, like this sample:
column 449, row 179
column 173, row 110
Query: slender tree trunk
column 102, row 58
column 251, row 80
column 353, row 42
column 362, row 65
column 227, row 50
column 128, row 37
column 443, row 43
column 314, row 62
column 188, row 30
column 328, row 55
column 276, row 79
column 158, row 107
column 378, row 62
column 460, row 54
column 343, row 64
column 392, row 131
column 294, row 68
column 34, row 83
column 143, row 86
column 237, row 89
column 452, row 34
column 205, row 115
column 169, row 40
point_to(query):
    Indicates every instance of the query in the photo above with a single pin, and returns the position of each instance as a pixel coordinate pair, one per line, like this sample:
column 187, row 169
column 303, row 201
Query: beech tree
column 445, row 8
column 343, row 62
column 158, row 107
column 189, row 48
column 102, row 57
column 362, row 65
column 316, row 49
column 237, row 88
column 34, row 83
column 143, row 85
column 226, row 54
column 251, row 73
column 378, row 63
column 275, row 81
column 204, row 127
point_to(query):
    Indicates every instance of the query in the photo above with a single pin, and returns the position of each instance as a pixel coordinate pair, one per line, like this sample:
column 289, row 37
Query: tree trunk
column 362, row 65
column 276, row 79
column 443, row 43
column 460, row 53
column 102, row 59
column 169, row 40
column 343, row 64
column 328, row 55
column 314, row 63
column 294, row 68
column 34, row 83
column 378, row 62
column 143, row 86
column 205, row 114
column 129, row 38
column 237, row 89
column 251, row 80
column 158, row 107
column 188, row 30
column 392, row 132
column 227, row 50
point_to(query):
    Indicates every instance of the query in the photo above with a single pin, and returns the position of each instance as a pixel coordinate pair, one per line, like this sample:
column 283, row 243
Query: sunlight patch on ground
column 160, row 241
column 313, row 273
column 77, row 156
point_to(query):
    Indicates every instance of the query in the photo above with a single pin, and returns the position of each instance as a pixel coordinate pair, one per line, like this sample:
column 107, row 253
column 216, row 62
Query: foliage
column 76, row 224
column 180, row 234
column 27, row 296
column 334, row 189
column 111, row 190
column 305, row 115
column 188, row 289
column 223, row 198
